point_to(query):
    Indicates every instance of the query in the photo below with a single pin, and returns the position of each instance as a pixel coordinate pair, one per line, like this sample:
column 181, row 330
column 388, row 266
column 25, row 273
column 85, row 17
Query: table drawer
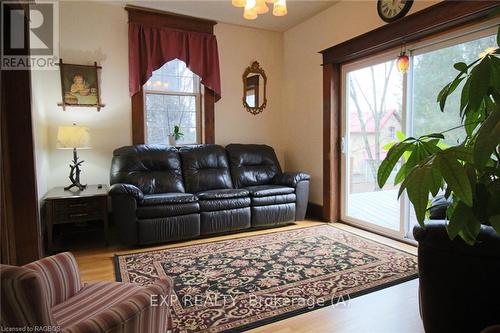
column 81, row 209
column 61, row 217
column 77, row 205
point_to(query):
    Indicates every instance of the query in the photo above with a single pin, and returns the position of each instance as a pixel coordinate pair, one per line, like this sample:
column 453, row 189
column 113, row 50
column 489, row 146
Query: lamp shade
column 74, row 136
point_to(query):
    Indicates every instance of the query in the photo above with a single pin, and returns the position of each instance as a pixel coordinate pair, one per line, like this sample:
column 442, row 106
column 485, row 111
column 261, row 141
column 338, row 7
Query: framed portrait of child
column 79, row 85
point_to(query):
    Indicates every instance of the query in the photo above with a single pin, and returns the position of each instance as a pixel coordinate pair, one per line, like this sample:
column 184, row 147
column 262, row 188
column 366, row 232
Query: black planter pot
column 459, row 284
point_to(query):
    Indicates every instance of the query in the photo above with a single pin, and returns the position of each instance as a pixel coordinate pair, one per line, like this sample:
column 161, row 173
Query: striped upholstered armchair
column 49, row 293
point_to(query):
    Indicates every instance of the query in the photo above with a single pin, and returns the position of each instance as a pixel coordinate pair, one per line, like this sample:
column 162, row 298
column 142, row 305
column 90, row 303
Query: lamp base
column 74, row 173
column 77, row 185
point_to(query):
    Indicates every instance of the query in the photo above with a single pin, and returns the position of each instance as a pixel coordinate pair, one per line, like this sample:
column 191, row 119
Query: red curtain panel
column 151, row 47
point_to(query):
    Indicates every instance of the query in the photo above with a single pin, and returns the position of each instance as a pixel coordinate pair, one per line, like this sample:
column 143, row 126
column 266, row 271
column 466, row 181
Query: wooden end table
column 72, row 206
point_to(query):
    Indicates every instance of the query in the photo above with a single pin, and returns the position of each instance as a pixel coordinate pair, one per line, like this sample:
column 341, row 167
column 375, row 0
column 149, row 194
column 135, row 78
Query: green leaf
column 495, row 72
column 448, row 90
column 462, row 153
column 387, row 165
column 498, row 33
column 400, row 135
column 455, row 177
column 400, row 176
column 495, row 223
column 470, row 231
column 434, row 181
column 433, row 135
column 430, row 147
column 461, row 67
column 463, row 223
column 388, row 146
column 464, row 98
column 488, row 138
column 418, row 192
column 458, row 219
column 480, row 80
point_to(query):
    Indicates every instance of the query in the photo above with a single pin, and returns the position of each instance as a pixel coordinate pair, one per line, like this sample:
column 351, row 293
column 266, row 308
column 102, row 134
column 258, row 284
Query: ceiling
column 223, row 11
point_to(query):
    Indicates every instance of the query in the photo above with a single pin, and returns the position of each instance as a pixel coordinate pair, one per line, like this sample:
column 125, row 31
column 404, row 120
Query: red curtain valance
column 152, row 47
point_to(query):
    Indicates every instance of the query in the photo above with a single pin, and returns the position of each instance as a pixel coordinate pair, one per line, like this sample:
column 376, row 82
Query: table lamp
column 73, row 137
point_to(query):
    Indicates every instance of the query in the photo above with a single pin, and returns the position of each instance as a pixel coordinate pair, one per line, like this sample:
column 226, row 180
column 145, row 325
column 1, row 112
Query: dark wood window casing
column 442, row 17
column 180, row 22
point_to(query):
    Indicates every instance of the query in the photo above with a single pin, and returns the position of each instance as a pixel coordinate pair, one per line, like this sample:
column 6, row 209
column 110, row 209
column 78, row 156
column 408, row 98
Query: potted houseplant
column 175, row 136
column 459, row 258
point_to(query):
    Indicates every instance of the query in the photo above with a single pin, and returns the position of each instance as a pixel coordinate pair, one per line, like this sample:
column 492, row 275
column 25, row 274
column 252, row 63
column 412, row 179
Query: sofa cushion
column 274, row 199
column 93, row 299
column 224, row 204
column 151, row 168
column 224, row 220
column 252, row 164
column 272, row 215
column 222, row 194
column 149, row 212
column 167, row 198
column 171, row 228
column 205, row 167
column 267, row 190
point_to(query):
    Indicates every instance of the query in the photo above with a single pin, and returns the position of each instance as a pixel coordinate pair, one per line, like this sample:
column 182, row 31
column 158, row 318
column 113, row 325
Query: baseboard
column 314, row 211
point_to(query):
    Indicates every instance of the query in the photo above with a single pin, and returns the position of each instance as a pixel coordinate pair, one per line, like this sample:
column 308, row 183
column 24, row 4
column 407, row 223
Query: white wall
column 97, row 31
column 302, row 95
column 238, row 48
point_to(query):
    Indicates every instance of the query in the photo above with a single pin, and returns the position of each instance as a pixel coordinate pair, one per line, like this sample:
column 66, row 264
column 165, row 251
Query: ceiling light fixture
column 250, row 12
column 252, row 8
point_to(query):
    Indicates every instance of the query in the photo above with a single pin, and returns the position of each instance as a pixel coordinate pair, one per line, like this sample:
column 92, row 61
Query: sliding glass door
column 373, row 116
column 381, row 105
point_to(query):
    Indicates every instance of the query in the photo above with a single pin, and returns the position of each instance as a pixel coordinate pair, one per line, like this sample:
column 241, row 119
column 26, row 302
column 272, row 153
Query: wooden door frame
column 181, row 22
column 20, row 224
column 439, row 18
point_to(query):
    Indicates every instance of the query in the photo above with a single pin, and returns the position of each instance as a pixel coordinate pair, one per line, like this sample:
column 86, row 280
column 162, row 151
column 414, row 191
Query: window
column 172, row 98
column 379, row 102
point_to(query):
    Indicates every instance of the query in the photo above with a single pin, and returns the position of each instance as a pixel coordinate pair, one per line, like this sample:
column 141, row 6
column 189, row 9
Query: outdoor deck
column 381, row 208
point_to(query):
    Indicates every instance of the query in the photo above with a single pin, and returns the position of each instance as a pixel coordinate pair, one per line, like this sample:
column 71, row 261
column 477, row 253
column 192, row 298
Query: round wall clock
column 391, row 10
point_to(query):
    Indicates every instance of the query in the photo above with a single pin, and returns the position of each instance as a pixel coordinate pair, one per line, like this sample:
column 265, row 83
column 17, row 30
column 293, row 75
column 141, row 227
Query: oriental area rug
column 242, row 283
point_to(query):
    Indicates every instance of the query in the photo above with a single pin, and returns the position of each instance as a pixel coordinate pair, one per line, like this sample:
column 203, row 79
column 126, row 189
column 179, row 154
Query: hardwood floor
column 393, row 309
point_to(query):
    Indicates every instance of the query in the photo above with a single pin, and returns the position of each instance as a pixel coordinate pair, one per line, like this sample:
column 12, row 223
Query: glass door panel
column 431, row 70
column 373, row 115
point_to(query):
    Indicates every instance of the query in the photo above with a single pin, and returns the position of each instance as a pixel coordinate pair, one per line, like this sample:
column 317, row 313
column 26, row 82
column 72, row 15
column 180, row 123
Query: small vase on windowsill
column 171, row 140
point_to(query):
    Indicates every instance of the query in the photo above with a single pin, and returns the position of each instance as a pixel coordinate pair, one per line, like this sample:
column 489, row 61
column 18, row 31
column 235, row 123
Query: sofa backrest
column 152, row 168
column 205, row 167
column 252, row 164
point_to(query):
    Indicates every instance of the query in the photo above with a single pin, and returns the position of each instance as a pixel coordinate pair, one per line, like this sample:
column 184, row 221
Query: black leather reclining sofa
column 161, row 193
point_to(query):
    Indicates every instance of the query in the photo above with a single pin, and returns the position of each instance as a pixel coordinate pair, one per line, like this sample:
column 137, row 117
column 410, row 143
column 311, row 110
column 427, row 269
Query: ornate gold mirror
column 254, row 89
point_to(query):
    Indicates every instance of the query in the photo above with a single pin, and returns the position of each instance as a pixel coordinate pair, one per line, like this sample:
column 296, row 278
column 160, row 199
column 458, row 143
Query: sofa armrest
column 60, row 276
column 140, row 313
column 291, row 178
column 435, row 237
column 126, row 189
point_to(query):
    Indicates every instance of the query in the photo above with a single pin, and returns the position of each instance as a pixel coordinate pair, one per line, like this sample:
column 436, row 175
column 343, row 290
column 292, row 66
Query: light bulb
column 238, row 3
column 279, row 8
column 262, row 7
column 250, row 12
